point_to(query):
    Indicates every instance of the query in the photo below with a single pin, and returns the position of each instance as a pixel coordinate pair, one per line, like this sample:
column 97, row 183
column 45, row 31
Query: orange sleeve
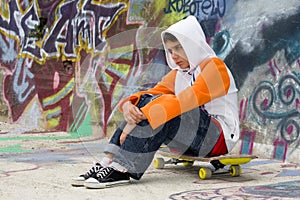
column 165, row 86
column 212, row 82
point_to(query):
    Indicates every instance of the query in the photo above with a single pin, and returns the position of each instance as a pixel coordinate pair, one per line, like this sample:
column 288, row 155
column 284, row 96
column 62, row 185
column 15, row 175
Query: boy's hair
column 169, row 37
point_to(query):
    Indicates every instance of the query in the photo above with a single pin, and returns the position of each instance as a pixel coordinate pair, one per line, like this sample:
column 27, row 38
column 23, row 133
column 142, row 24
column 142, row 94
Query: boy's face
column 178, row 54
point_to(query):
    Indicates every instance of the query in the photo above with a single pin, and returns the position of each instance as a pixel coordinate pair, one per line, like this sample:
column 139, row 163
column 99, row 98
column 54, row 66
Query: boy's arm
column 212, row 82
column 165, row 86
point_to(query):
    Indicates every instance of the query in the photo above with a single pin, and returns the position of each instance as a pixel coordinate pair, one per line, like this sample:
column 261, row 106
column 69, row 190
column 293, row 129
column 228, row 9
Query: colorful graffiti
column 271, row 191
column 44, row 67
column 33, row 76
column 66, row 64
column 280, row 189
column 267, row 73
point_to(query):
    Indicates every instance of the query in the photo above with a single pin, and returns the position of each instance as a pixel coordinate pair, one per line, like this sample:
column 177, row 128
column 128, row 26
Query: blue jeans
column 185, row 133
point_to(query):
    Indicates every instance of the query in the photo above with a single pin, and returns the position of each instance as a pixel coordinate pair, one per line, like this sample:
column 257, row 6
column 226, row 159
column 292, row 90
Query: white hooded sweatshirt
column 191, row 37
column 214, row 86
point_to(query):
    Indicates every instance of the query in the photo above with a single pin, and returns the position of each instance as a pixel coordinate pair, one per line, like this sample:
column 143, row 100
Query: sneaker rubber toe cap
column 78, row 181
column 93, row 183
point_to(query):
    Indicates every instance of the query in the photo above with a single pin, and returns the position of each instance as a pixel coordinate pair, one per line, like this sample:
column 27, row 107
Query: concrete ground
column 44, row 169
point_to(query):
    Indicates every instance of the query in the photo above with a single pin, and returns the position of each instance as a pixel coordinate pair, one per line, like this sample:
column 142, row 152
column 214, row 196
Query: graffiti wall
column 65, row 64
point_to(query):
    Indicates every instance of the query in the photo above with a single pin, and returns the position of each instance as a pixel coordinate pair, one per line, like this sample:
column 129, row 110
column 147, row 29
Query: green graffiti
column 84, row 130
column 17, row 148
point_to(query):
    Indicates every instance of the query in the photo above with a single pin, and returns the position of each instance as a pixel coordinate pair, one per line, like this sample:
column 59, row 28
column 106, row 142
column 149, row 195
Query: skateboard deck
column 209, row 166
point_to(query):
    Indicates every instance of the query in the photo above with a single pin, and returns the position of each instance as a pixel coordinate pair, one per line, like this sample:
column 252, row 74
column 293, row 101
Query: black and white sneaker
column 79, row 181
column 107, row 177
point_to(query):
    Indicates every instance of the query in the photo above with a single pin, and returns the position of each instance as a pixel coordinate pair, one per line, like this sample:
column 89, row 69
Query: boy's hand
column 132, row 114
column 123, row 137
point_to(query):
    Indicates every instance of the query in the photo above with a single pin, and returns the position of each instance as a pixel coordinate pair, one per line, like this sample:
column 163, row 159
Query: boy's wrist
column 125, row 105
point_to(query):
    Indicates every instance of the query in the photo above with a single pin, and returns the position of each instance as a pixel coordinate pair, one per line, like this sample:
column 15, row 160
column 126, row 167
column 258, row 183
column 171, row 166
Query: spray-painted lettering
column 203, row 8
column 71, row 26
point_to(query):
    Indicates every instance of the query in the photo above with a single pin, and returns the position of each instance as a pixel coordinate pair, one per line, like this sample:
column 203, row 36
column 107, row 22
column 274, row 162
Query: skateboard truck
column 176, row 161
column 217, row 164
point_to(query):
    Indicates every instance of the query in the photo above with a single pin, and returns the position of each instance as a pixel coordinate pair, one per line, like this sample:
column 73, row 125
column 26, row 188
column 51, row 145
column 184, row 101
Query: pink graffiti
column 243, row 109
column 273, row 66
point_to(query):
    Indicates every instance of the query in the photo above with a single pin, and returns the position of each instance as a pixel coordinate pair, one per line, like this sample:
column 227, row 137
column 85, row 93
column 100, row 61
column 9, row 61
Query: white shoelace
column 97, row 167
column 104, row 172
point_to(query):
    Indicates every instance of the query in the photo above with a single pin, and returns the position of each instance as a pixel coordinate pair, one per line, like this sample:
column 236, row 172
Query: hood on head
column 191, row 37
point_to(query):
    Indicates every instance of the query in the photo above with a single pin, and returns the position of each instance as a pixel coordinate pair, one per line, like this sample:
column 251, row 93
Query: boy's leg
column 215, row 131
column 137, row 151
column 133, row 157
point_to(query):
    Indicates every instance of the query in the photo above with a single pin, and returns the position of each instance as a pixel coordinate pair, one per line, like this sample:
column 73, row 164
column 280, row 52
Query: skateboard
column 208, row 166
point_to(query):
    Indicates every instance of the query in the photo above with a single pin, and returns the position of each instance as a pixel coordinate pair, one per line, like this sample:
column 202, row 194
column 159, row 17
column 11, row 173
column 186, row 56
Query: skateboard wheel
column 204, row 173
column 188, row 163
column 235, row 170
column 158, row 163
